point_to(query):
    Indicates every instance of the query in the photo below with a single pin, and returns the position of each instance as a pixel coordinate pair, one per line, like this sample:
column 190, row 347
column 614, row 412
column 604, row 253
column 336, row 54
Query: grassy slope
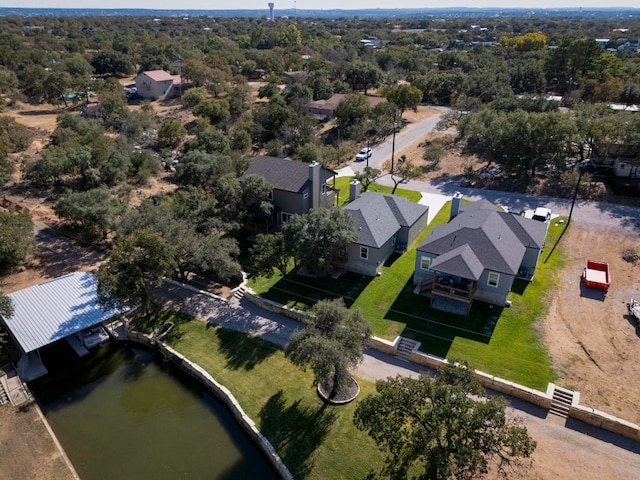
column 315, row 441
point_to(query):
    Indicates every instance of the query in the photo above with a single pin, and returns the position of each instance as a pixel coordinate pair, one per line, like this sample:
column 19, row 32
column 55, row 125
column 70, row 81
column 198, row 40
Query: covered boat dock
column 52, row 311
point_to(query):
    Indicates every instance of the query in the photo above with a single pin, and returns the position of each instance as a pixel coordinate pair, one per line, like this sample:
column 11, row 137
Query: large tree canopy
column 137, row 263
column 331, row 342
column 16, row 239
column 442, row 428
column 320, row 237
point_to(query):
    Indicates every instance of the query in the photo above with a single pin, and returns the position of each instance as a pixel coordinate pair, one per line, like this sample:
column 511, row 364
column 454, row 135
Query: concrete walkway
column 566, row 447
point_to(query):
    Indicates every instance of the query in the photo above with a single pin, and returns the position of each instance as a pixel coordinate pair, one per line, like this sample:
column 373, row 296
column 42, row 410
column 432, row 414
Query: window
column 306, row 195
column 493, row 279
column 393, row 239
column 270, row 195
column 285, row 217
column 364, row 253
column 425, row 263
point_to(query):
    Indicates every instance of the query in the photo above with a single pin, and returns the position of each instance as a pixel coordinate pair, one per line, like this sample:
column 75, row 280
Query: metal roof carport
column 51, row 311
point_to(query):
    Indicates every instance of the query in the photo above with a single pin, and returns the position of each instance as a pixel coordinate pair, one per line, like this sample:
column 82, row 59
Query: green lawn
column 501, row 342
column 342, row 184
column 314, row 440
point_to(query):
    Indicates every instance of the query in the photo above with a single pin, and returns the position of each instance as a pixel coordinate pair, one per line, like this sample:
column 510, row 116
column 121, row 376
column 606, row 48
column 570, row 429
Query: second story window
column 364, row 253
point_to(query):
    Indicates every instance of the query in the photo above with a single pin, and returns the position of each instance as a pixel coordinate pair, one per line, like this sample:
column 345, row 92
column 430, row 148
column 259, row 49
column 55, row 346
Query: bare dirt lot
column 27, row 449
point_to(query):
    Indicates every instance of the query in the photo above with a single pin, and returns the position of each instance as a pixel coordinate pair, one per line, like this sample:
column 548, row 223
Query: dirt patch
column 591, row 338
column 27, row 449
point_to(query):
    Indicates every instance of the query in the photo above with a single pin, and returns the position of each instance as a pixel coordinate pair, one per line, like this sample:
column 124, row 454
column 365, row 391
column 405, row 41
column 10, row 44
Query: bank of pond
column 120, row 413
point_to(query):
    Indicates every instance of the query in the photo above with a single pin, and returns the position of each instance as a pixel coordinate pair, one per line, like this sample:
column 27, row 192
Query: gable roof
column 284, row 173
column 497, row 239
column 158, row 75
column 461, row 261
column 378, row 216
column 55, row 309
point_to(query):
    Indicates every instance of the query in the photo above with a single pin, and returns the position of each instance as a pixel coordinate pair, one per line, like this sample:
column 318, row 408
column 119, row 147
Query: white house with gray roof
column 297, row 186
column 477, row 256
column 385, row 223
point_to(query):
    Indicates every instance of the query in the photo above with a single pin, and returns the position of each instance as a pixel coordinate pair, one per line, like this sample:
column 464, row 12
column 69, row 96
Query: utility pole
column 393, row 141
column 367, row 153
column 575, row 193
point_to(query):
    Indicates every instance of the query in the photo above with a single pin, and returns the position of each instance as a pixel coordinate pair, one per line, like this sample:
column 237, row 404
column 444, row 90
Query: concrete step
column 561, row 402
column 404, row 349
column 239, row 293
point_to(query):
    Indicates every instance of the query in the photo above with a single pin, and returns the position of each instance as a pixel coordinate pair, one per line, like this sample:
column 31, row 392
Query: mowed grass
column 342, row 184
column 315, row 441
column 499, row 341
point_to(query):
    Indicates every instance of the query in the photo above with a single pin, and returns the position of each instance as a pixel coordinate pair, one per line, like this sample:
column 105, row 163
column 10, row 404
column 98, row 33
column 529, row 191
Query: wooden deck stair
column 405, row 347
column 561, row 402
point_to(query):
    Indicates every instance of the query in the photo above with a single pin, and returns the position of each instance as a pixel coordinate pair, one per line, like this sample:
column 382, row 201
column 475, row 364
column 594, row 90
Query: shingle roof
column 461, row 261
column 55, row 309
column 284, row 173
column 489, row 233
column 378, row 216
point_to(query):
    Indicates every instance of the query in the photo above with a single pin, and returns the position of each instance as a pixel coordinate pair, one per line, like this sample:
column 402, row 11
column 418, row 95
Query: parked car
column 363, row 154
column 542, row 214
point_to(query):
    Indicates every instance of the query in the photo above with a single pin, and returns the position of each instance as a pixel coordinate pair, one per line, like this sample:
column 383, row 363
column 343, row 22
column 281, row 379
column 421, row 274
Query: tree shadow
column 242, row 351
column 437, row 329
column 294, row 289
column 295, row 431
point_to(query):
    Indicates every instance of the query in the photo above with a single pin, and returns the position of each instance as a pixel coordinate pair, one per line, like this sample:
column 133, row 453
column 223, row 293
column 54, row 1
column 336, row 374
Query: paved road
column 566, row 448
column 404, row 138
column 595, row 214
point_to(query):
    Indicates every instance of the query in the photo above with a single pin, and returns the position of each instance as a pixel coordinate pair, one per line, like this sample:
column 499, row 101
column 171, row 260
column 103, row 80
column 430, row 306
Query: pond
column 119, row 414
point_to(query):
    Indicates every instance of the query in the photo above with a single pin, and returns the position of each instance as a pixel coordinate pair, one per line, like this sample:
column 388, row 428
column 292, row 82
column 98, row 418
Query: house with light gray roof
column 385, row 223
column 477, row 256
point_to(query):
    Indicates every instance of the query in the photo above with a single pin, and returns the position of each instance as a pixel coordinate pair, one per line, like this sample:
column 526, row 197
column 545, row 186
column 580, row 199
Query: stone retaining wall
column 227, row 397
column 275, row 307
column 542, row 399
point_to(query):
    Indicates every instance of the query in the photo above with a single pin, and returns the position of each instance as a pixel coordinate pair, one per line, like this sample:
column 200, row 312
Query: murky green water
column 119, row 415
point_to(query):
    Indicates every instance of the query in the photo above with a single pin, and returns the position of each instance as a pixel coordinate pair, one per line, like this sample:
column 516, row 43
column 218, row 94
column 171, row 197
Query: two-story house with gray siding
column 385, row 223
column 477, row 256
column 297, row 186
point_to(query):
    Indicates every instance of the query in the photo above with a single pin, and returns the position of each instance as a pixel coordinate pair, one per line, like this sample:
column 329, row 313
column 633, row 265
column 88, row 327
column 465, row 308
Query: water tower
column 270, row 11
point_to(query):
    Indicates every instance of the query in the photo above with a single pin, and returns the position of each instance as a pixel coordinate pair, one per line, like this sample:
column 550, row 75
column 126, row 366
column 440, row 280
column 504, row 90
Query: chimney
column 456, row 202
column 314, row 177
column 354, row 190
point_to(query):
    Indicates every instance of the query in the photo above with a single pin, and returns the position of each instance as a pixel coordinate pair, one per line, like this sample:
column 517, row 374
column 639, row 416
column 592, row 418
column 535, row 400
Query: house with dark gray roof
column 477, row 256
column 297, row 186
column 385, row 223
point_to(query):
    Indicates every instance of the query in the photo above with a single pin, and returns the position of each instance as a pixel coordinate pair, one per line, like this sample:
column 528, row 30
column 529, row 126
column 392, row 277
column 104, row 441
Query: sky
column 308, row 4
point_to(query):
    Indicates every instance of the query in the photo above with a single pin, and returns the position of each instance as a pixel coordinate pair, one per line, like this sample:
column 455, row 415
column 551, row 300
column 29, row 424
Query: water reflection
column 119, row 414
